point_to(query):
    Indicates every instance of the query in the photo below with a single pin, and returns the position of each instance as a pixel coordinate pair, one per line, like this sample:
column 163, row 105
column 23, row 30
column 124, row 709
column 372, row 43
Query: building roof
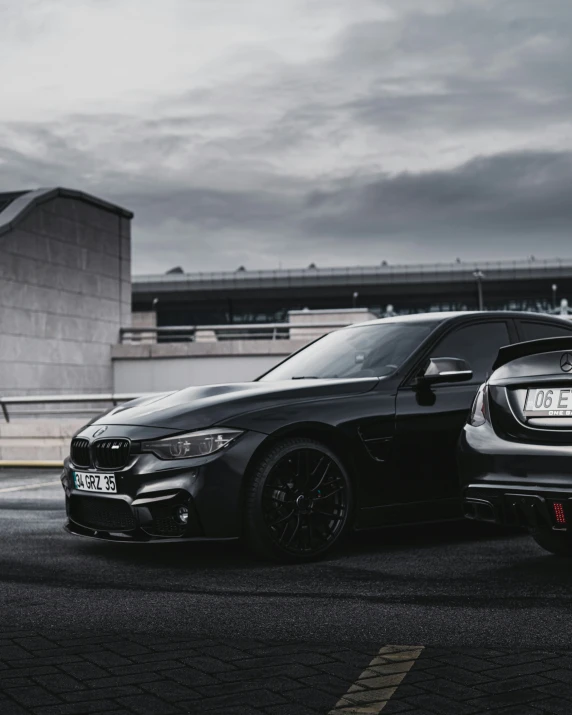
column 7, row 197
column 15, row 205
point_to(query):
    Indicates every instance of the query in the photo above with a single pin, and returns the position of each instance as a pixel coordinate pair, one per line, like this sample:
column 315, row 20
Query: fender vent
column 377, row 444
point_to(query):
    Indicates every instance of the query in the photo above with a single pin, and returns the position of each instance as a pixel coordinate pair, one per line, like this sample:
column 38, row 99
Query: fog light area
column 182, row 514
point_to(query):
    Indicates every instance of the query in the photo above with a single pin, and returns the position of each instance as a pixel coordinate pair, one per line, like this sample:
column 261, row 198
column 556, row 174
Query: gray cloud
column 478, row 66
column 497, row 206
column 514, row 195
column 417, row 131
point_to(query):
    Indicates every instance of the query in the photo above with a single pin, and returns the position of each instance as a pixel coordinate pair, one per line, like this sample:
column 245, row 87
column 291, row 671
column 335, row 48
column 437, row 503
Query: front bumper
column 151, row 491
column 514, row 483
column 136, row 537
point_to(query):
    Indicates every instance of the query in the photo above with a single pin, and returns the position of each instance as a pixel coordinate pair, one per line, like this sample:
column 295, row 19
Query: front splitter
column 138, row 537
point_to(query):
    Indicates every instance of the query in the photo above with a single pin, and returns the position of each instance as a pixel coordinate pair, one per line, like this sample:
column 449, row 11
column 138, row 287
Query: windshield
column 371, row 350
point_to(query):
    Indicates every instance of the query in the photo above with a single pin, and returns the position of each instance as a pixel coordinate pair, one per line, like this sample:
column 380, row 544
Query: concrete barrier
column 37, row 440
column 172, row 366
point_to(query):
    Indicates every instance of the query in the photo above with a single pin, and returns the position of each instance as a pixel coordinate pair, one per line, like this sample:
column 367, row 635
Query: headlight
column 192, row 444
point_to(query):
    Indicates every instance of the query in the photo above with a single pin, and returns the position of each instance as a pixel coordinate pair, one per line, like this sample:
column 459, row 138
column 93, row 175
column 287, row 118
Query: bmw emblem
column 101, row 430
column 566, row 362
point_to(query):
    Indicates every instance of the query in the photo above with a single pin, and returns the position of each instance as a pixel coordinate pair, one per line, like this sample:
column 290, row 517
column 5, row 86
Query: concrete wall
column 65, row 290
column 144, row 319
column 173, row 366
column 159, row 367
column 41, row 439
column 347, row 316
column 164, row 374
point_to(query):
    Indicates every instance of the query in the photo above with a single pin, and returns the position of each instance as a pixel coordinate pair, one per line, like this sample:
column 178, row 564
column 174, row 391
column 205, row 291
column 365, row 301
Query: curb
column 37, row 463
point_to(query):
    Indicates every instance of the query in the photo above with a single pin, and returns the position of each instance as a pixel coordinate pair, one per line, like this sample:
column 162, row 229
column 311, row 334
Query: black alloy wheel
column 299, row 502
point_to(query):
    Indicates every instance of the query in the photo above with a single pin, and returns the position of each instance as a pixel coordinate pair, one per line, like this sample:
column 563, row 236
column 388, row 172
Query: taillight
column 559, row 513
column 480, row 410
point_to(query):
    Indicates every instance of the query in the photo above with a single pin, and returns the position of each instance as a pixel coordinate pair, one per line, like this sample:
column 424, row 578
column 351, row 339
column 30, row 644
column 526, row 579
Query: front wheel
column 299, row 501
column 557, row 542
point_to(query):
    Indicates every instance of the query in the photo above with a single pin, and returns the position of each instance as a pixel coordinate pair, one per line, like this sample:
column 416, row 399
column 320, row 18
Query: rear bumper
column 514, row 483
column 528, row 508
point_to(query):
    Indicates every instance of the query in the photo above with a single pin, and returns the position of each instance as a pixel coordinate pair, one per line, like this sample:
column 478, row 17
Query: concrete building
column 246, row 296
column 65, row 291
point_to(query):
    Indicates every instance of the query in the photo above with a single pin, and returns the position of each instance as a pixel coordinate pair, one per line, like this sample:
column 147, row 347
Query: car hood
column 203, row 406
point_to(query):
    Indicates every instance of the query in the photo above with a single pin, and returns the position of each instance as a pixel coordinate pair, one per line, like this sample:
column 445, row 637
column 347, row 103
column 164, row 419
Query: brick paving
column 61, row 673
column 475, row 681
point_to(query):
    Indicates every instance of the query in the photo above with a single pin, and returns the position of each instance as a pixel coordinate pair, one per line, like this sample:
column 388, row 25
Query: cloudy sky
column 278, row 133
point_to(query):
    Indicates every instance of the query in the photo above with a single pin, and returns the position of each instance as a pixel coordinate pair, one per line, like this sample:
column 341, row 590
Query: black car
column 357, row 429
column 515, row 452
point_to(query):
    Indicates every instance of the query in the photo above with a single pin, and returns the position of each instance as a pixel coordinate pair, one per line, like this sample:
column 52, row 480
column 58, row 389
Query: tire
column 299, row 501
column 556, row 542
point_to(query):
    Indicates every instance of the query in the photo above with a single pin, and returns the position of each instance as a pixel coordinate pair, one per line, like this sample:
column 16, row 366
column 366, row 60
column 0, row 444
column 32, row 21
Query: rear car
column 515, row 452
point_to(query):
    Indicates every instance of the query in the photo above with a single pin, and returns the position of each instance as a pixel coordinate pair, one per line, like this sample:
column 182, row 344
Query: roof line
column 457, row 271
column 20, row 207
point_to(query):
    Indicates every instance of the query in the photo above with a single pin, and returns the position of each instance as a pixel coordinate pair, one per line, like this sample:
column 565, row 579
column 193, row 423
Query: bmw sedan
column 356, row 430
column 515, row 452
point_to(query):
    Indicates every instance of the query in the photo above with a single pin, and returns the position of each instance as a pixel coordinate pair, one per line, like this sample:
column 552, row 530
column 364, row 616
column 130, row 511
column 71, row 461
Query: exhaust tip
column 479, row 509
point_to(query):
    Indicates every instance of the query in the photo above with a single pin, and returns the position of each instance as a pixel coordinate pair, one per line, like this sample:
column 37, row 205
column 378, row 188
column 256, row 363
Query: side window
column 531, row 330
column 477, row 344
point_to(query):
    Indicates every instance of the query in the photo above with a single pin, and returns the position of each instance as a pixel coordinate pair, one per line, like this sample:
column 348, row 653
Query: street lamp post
column 479, row 275
column 554, row 289
column 355, row 297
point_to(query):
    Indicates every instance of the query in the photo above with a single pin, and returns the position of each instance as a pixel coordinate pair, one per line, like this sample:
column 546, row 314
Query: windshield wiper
column 305, row 377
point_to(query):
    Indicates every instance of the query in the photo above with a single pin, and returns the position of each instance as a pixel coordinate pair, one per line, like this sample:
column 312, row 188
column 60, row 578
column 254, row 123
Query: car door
column 429, row 419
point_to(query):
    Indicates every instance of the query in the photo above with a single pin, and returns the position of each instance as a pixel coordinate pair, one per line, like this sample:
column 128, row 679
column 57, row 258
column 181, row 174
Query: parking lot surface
column 456, row 618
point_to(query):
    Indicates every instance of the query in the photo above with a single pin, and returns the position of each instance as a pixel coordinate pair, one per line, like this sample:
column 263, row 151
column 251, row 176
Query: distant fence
column 236, row 331
column 214, row 333
column 52, row 404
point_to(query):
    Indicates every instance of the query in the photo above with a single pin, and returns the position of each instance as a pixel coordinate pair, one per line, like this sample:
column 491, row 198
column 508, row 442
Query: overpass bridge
column 245, row 296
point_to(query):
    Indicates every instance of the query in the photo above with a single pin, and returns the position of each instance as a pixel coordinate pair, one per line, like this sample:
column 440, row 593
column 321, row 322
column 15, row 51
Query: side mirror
column 445, row 369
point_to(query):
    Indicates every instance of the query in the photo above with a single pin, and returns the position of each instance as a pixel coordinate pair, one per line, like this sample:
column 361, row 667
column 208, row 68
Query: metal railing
column 215, row 333
column 45, row 400
column 90, row 404
column 238, row 331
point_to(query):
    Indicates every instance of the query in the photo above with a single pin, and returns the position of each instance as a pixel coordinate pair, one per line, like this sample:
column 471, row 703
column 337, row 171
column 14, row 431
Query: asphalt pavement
column 453, row 618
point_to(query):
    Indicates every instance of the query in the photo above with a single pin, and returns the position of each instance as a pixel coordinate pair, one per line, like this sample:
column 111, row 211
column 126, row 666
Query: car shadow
column 427, row 535
column 542, row 569
column 197, row 554
column 210, row 555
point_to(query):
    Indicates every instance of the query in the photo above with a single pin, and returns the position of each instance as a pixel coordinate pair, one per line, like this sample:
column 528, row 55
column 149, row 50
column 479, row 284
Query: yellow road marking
column 378, row 682
column 29, row 486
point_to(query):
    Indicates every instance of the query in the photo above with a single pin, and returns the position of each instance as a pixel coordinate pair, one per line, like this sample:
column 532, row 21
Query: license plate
column 548, row 402
column 90, row 482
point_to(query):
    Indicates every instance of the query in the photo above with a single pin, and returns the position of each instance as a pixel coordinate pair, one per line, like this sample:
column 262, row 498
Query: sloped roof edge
column 21, row 206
